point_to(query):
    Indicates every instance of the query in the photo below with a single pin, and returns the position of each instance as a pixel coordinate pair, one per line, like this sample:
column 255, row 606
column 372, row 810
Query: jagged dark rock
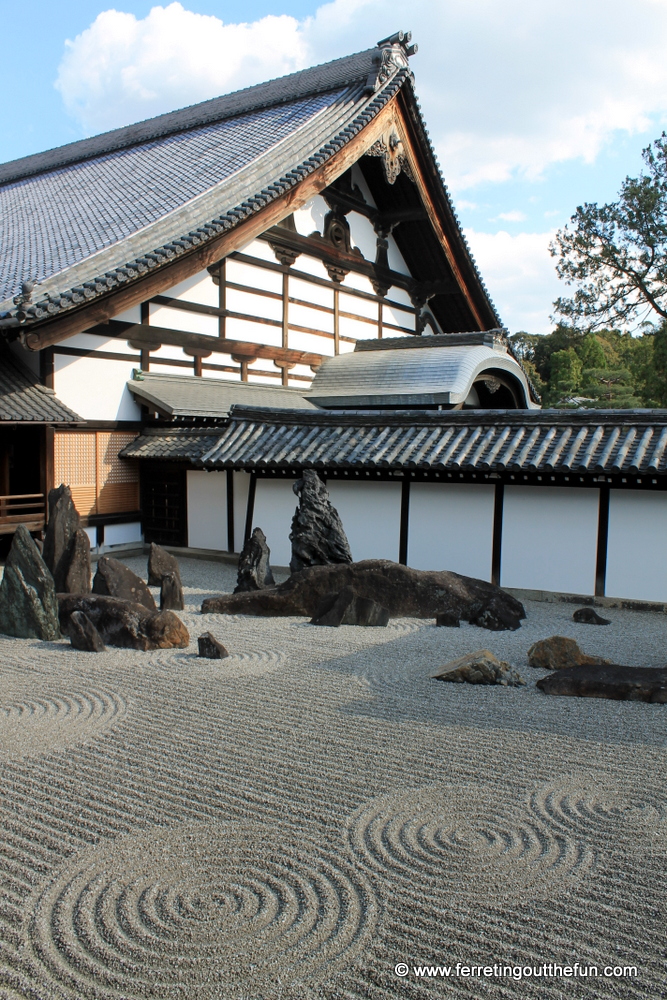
column 114, row 579
column 28, row 605
column 608, row 680
column 83, row 635
column 448, row 619
column 317, row 534
column 403, row 591
column 589, row 616
column 123, row 623
column 347, row 608
column 480, row 667
column 210, row 647
column 254, row 571
column 558, row 653
column 65, row 551
column 161, row 562
column 171, row 593
column 79, row 572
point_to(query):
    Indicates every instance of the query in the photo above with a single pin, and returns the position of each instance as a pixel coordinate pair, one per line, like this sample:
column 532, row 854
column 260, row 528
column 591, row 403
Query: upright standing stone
column 62, row 526
column 28, row 605
column 254, row 570
column 117, row 580
column 79, row 573
column 171, row 593
column 317, row 534
column 161, row 562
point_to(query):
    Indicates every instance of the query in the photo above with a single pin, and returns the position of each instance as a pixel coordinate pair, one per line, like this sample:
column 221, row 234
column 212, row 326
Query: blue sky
column 533, row 108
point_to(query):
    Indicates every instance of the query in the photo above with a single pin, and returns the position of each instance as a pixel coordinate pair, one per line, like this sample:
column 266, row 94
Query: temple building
column 197, row 307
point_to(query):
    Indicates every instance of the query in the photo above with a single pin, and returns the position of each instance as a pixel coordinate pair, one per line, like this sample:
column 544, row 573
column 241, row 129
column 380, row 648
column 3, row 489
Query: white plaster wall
column 91, row 342
column 207, row 510
column 450, row 526
column 311, row 217
column 198, row 288
column 371, row 516
column 275, row 504
column 122, row 534
column 187, row 322
column 255, row 277
column 131, row 315
column 637, row 546
column 549, row 538
column 241, row 484
column 95, row 388
column 362, row 234
column 92, row 535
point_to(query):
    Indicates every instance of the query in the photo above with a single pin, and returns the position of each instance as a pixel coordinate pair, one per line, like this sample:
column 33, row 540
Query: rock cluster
column 480, row 667
column 210, row 647
column 66, row 548
column 114, row 579
column 317, row 534
column 124, row 623
column 28, row 605
column 347, row 608
column 558, row 653
column 609, row 680
column 254, row 571
column 403, row 591
column 589, row 616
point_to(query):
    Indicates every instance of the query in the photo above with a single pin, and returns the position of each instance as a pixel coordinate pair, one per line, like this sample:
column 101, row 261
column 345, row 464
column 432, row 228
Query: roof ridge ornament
column 392, row 56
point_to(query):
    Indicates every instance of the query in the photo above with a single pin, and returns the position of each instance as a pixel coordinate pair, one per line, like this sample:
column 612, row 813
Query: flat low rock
column 124, row 623
column 609, row 680
column 160, row 563
column 210, row 647
column 558, row 653
column 83, row 635
column 480, row 667
column 589, row 616
column 115, row 579
column 403, row 591
column 28, row 606
column 347, row 608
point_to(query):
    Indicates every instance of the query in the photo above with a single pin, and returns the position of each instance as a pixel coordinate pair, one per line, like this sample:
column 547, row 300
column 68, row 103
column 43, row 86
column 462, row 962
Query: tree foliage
column 617, row 253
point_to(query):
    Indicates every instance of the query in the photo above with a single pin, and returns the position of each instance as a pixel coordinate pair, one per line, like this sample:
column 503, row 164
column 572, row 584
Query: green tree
column 591, row 353
column 609, row 388
column 616, row 254
column 565, row 378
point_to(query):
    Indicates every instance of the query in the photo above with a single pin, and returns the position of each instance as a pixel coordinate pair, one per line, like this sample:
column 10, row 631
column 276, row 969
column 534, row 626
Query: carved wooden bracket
column 389, row 147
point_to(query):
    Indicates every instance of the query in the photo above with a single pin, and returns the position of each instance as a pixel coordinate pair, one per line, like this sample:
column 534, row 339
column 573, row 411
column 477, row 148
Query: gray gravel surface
column 295, row 820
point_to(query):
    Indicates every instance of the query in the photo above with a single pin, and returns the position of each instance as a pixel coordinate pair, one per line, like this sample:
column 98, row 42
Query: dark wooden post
column 230, row 510
column 405, row 523
column 603, row 535
column 496, row 549
column 250, row 509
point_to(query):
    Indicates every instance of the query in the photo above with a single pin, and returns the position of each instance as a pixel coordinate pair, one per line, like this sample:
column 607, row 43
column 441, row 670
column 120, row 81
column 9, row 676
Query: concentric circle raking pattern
column 31, row 724
column 217, row 905
column 434, row 837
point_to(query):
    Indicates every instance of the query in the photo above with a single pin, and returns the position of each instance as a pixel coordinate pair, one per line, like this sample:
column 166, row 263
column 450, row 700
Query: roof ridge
column 303, row 83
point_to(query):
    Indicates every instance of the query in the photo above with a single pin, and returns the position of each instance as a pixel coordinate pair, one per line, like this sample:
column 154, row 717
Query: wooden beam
column 218, row 345
column 199, row 258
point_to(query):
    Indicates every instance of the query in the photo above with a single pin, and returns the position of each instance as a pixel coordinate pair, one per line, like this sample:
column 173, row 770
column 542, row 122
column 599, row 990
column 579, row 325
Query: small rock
column 28, row 604
column 347, row 608
column 171, row 593
column 62, row 524
column 480, row 667
column 114, row 579
column 83, row 634
column 559, row 653
column 78, row 571
column 161, row 562
column 317, row 534
column 254, row 571
column 609, row 680
column 588, row 616
column 125, row 624
column 448, row 619
column 210, row 647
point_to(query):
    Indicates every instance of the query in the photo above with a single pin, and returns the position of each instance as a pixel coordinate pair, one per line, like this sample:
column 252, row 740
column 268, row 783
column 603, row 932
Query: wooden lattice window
column 101, row 482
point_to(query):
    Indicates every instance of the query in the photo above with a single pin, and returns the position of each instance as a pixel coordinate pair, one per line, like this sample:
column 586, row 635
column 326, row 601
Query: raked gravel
column 297, row 819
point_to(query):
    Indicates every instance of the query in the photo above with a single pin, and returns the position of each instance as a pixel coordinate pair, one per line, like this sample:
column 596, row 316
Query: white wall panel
column 311, row 216
column 122, row 534
column 188, row 322
column 362, row 234
column 91, row 342
column 637, row 546
column 255, row 333
column 450, row 527
column 199, row 288
column 371, row 516
column 549, row 539
column 275, row 504
column 95, row 388
column 300, row 289
column 240, row 488
column 254, row 305
column 255, row 277
column 207, row 510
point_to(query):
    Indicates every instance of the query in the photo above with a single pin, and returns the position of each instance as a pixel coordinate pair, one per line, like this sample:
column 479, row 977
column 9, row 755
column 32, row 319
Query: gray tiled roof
column 188, row 396
column 590, row 441
column 22, row 398
column 171, row 444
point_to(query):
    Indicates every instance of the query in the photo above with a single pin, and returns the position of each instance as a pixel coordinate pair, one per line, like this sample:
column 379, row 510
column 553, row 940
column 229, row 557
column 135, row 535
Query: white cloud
column 123, row 69
column 520, row 276
column 513, row 216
